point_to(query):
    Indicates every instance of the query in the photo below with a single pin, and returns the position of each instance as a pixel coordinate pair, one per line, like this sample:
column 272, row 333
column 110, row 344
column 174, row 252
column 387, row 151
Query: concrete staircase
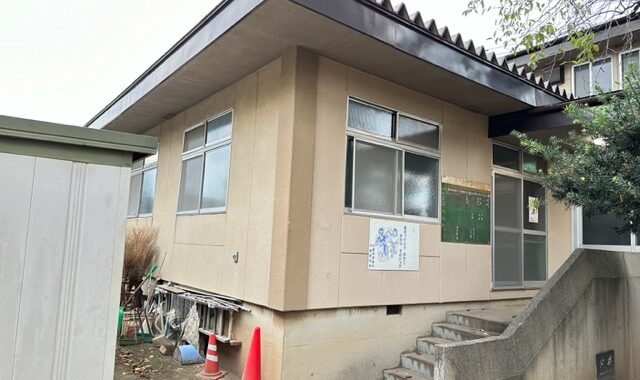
column 459, row 326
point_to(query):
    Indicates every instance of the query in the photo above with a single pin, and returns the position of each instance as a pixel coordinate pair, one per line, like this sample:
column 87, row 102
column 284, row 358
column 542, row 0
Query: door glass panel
column 534, row 215
column 507, row 201
column 505, row 157
column 507, row 263
column 532, row 164
column 535, row 258
column 600, row 230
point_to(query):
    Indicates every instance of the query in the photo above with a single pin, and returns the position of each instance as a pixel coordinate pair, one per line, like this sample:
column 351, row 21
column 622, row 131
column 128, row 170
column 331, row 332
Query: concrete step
column 418, row 362
column 427, row 344
column 403, row 374
column 458, row 333
column 496, row 320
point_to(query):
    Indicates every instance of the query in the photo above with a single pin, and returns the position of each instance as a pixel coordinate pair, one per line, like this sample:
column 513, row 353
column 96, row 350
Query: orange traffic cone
column 211, row 368
column 253, row 369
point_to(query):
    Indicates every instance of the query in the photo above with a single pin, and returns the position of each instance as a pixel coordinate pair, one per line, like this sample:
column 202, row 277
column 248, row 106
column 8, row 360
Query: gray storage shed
column 63, row 205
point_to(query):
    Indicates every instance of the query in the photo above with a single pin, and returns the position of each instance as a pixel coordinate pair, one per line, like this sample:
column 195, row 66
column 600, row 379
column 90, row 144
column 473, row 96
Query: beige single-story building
column 339, row 168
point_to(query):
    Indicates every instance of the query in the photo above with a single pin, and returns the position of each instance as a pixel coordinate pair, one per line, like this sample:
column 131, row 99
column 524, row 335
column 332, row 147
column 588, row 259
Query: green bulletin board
column 466, row 212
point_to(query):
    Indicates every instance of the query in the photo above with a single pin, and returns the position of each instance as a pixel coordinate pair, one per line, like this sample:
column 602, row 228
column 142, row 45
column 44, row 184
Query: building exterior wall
column 611, row 51
column 197, row 250
column 338, row 273
column 299, row 251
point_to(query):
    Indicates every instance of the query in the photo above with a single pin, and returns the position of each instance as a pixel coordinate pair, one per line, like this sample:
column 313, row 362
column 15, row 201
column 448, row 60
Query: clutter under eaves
column 215, row 313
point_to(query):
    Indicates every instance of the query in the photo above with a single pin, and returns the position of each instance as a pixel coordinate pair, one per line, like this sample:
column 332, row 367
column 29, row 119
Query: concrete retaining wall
column 589, row 306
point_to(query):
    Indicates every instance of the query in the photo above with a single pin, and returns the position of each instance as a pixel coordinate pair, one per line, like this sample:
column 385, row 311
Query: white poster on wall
column 533, row 209
column 393, row 245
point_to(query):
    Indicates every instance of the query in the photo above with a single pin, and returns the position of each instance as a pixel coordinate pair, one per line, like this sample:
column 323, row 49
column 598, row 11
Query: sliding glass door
column 519, row 232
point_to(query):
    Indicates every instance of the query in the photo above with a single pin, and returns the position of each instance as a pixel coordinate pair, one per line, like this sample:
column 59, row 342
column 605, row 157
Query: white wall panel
column 15, row 197
column 62, row 227
column 42, row 269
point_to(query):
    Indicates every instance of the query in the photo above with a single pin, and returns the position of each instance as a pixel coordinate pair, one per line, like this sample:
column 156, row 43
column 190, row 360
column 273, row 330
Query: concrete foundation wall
column 271, row 322
column 357, row 343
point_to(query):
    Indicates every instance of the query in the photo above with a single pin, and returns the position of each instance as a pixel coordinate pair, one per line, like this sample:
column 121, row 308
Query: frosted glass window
column 601, row 74
column 376, row 178
column 507, row 259
column 190, row 184
column 219, row 128
column 582, row 80
column 216, row 174
column 505, row 157
column 148, row 191
column 193, row 139
column 134, row 194
column 418, row 132
column 600, row 230
column 535, row 258
column 370, row 119
column 420, row 185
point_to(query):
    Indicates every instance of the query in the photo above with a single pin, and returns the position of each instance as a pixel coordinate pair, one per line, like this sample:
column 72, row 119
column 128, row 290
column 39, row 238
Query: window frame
column 202, row 152
column 399, row 145
column 620, row 73
column 141, row 171
column 591, row 84
column 633, row 246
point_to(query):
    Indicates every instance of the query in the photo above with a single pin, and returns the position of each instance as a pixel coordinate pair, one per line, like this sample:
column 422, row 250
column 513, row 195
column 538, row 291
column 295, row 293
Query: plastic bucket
column 187, row 354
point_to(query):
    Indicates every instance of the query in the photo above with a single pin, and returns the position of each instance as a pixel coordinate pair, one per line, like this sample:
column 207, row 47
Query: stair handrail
column 508, row 355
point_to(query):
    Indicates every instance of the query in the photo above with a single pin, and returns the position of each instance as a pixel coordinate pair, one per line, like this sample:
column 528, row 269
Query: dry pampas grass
column 139, row 252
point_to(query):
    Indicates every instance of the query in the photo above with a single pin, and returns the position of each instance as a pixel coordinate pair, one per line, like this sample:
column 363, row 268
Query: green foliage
column 598, row 166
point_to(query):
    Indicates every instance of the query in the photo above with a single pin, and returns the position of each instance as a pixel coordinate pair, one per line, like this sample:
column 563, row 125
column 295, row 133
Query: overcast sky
column 64, row 60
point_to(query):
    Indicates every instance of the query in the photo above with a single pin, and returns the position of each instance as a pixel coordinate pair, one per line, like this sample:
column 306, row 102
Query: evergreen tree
column 598, row 166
